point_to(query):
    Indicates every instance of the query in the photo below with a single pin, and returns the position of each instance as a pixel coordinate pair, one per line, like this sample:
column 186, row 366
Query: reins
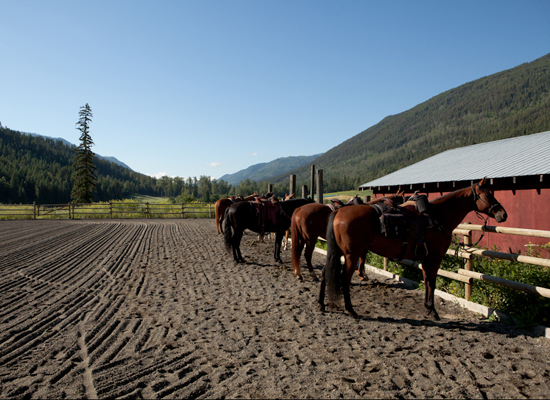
column 477, row 197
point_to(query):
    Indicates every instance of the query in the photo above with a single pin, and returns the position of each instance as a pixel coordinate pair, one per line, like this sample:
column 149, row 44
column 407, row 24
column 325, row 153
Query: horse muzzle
column 501, row 215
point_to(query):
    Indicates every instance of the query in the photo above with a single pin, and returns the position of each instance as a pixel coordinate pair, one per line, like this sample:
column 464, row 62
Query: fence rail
column 466, row 274
column 107, row 210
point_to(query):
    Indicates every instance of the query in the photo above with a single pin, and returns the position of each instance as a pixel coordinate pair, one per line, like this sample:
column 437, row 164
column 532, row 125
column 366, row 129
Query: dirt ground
column 157, row 309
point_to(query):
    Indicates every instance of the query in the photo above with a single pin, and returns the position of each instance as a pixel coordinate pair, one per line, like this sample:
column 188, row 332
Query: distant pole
column 320, row 186
column 304, row 192
column 312, row 182
column 269, row 187
column 292, row 184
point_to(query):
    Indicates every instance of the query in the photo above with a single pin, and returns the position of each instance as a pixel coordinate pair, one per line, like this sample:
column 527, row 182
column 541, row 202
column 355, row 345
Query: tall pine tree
column 83, row 167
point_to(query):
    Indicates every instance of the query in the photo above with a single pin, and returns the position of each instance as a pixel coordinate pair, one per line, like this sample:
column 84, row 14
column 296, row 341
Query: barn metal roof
column 519, row 156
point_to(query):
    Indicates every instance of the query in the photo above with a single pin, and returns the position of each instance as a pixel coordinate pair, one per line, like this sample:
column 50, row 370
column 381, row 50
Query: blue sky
column 190, row 88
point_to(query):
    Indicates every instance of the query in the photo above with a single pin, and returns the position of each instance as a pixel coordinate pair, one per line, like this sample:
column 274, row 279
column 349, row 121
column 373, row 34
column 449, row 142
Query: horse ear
column 483, row 182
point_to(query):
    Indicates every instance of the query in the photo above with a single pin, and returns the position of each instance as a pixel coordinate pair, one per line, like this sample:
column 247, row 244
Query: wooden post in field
column 292, row 189
column 34, row 209
column 111, row 209
column 209, row 210
column 182, row 210
column 147, row 210
column 312, row 182
column 320, row 186
column 468, row 267
column 304, row 192
column 269, row 188
column 69, row 207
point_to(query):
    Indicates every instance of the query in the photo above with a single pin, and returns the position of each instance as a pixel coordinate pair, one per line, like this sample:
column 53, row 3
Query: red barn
column 517, row 168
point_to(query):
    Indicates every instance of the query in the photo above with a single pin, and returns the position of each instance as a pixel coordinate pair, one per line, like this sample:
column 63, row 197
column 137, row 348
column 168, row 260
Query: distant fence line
column 107, row 210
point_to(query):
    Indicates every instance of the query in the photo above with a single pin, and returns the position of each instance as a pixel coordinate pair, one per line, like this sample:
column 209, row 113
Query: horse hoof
column 433, row 315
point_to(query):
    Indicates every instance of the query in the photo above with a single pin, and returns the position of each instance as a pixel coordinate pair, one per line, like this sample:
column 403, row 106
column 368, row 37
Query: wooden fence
column 107, row 210
column 467, row 275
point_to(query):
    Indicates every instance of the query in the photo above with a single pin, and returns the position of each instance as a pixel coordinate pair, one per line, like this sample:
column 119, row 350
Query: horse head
column 355, row 200
column 485, row 202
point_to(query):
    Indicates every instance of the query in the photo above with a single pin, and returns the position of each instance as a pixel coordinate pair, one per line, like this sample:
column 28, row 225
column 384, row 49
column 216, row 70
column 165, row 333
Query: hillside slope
column 264, row 171
column 511, row 103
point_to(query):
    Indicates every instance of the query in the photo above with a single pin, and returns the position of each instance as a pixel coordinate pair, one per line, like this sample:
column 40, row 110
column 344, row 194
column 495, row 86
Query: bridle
column 478, row 197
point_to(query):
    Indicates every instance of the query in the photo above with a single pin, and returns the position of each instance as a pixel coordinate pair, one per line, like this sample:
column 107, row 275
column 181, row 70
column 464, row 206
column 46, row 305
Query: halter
column 478, row 197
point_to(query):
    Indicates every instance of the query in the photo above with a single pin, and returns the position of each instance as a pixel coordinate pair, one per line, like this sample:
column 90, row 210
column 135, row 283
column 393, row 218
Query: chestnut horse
column 222, row 204
column 352, row 230
column 244, row 215
column 310, row 222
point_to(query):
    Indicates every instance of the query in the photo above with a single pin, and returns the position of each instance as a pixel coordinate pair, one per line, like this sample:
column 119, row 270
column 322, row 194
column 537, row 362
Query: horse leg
column 285, row 243
column 278, row 239
column 308, row 253
column 347, row 274
column 297, row 247
column 430, row 275
column 236, row 244
column 361, row 267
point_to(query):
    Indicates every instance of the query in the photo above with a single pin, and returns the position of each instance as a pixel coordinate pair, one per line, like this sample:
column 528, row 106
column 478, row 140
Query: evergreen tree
column 83, row 167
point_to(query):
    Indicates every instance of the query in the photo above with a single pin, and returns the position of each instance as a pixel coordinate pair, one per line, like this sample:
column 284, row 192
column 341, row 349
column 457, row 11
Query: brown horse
column 222, row 204
column 309, row 222
column 352, row 230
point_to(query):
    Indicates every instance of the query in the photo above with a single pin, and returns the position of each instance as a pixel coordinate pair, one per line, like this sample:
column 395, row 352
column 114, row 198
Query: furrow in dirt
column 158, row 309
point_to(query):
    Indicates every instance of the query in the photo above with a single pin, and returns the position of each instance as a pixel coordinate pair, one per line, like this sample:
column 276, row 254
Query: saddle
column 266, row 211
column 410, row 218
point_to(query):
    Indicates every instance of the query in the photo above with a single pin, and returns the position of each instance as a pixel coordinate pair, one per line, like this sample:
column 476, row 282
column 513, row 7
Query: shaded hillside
column 34, row 168
column 264, row 171
column 511, row 103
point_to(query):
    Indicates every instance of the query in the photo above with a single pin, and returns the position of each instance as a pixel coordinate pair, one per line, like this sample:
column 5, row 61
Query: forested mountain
column 34, row 168
column 263, row 171
column 511, row 103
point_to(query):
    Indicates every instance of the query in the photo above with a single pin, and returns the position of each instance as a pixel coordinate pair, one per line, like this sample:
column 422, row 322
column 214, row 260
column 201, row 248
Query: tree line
column 38, row 169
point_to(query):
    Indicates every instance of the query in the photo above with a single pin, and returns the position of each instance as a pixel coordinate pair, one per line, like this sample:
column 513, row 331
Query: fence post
column 147, row 210
column 292, row 189
column 468, row 267
column 182, row 210
column 320, row 186
column 34, row 209
column 69, row 207
column 385, row 263
column 209, row 210
column 304, row 192
column 312, row 182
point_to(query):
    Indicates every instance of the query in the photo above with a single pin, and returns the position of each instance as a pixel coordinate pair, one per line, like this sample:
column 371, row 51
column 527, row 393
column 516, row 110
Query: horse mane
column 391, row 197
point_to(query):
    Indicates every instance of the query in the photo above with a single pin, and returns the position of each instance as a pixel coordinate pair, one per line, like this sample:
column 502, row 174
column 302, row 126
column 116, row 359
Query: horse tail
column 217, row 216
column 296, row 239
column 227, row 234
column 333, row 267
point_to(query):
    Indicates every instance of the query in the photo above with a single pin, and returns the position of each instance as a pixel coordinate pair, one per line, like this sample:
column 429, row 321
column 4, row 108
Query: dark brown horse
column 309, row 222
column 248, row 215
column 352, row 230
column 222, row 204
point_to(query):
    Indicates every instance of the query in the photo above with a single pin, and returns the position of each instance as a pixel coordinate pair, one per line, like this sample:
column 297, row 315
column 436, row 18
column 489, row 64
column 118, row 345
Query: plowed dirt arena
column 157, row 309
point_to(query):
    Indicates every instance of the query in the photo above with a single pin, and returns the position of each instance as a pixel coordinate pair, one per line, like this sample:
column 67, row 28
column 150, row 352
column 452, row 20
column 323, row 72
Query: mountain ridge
column 262, row 171
column 506, row 104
